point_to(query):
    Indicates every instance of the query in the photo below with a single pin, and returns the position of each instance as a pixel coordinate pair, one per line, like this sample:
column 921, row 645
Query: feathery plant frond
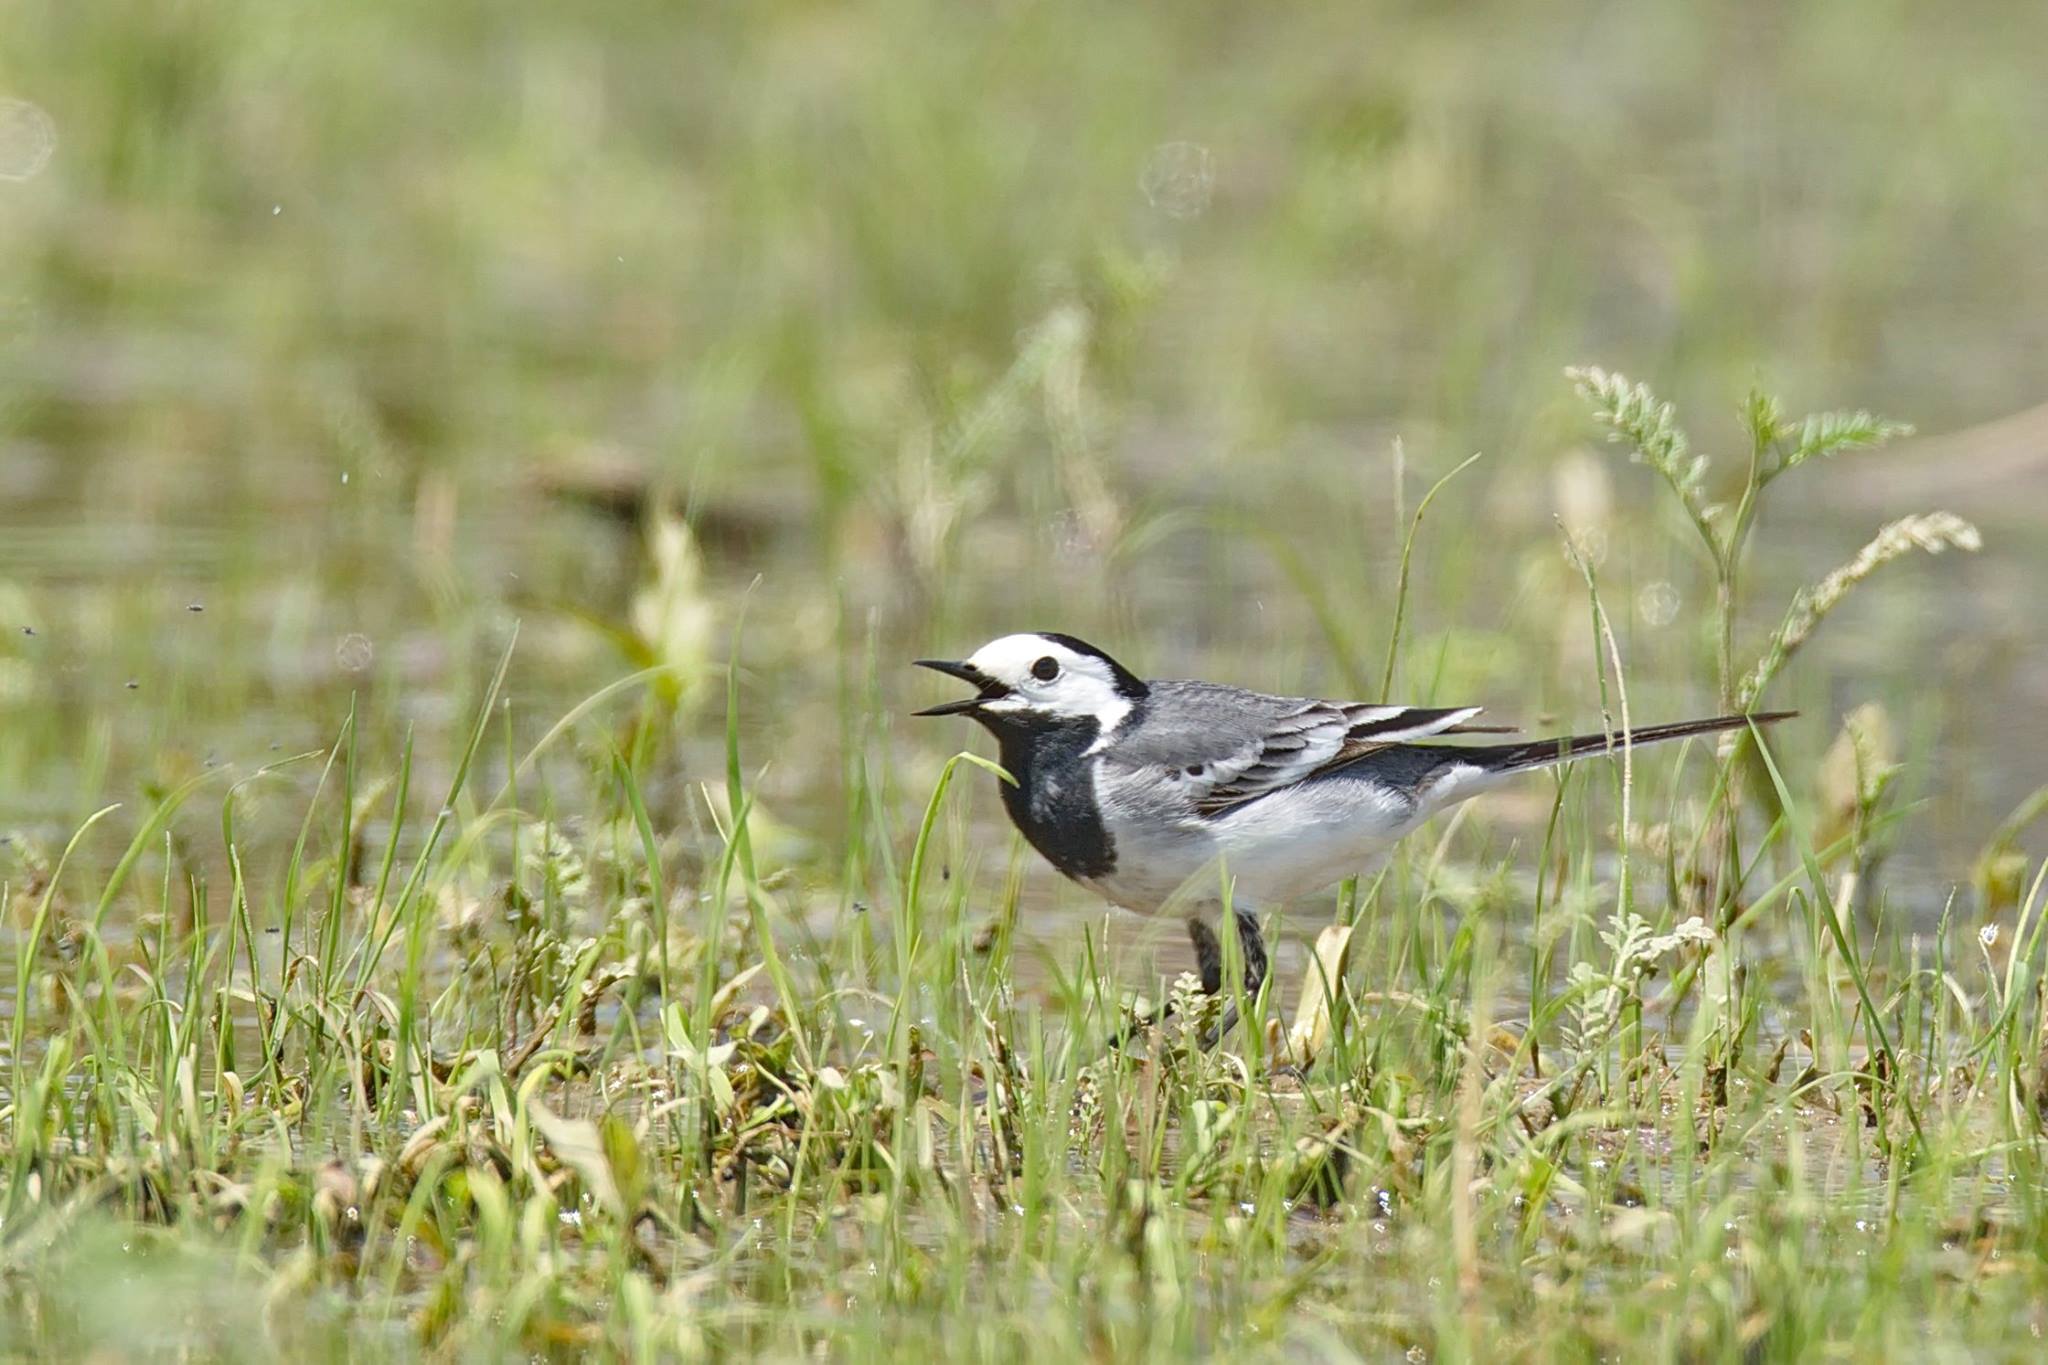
column 1637, row 952
column 1763, row 417
column 1933, row 532
column 1778, row 446
column 1636, row 417
column 1830, row 433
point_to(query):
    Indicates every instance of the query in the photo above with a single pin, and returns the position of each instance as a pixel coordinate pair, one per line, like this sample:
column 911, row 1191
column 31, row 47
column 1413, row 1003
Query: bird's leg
column 1209, row 966
column 1253, row 945
column 1209, row 956
column 1208, row 960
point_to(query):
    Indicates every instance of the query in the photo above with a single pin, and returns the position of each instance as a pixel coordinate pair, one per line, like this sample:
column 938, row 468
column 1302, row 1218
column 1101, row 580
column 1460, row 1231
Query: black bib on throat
column 1053, row 800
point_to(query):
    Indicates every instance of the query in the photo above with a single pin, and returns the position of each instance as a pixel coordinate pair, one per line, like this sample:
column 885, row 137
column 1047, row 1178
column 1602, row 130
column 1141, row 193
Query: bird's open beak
column 967, row 673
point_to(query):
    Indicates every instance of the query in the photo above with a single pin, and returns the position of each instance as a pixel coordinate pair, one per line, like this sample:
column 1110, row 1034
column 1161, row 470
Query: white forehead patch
column 1078, row 684
column 1012, row 658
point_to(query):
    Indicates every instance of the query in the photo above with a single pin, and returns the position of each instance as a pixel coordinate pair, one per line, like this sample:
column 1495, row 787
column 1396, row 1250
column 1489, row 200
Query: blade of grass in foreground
column 569, row 721
column 1401, row 582
column 295, row 864
column 159, row 820
column 910, row 921
column 738, row 806
column 28, row 949
column 1843, row 944
column 396, row 1090
column 650, row 850
column 368, row 964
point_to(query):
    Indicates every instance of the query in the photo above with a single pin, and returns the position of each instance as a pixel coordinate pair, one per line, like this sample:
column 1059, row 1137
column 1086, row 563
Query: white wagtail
column 1139, row 790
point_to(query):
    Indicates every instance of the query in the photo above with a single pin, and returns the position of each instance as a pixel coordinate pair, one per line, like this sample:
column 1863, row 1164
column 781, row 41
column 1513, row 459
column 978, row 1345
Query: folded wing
column 1222, row 747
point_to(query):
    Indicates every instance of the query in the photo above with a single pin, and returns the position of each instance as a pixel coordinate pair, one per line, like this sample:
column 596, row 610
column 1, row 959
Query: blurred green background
column 369, row 329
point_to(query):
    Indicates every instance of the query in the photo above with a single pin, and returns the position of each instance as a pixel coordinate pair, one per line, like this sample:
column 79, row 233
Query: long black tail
column 1540, row 753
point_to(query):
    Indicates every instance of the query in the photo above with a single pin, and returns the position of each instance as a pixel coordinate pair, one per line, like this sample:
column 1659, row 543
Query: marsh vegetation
column 471, row 481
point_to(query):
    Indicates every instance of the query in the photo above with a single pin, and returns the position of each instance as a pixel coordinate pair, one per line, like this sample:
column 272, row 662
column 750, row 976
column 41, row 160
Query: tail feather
column 1541, row 753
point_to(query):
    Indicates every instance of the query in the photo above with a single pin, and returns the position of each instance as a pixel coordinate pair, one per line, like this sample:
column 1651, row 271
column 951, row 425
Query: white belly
column 1290, row 844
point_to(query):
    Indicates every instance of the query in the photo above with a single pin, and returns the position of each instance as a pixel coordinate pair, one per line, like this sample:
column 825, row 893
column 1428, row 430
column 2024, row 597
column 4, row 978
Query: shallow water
column 182, row 643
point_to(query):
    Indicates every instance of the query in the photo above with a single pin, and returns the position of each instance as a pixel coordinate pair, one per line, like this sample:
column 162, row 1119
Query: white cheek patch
column 1109, row 717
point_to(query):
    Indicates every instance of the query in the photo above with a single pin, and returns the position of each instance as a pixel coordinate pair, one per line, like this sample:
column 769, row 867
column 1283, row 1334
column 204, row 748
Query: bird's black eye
column 1046, row 669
